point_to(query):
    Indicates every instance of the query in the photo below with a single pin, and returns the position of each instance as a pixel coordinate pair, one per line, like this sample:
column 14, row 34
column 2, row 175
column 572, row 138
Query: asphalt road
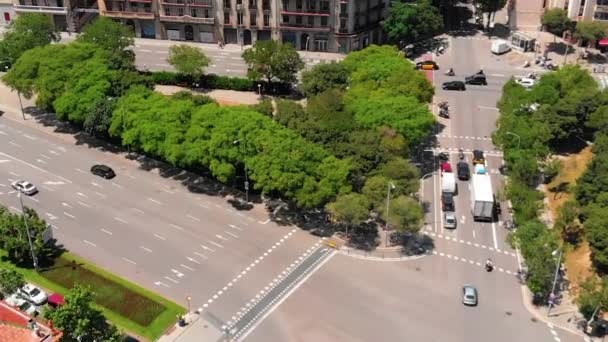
column 145, row 227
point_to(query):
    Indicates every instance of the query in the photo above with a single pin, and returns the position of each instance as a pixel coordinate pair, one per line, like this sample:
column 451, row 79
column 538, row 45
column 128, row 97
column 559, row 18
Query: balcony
column 41, row 9
column 129, row 14
column 305, row 27
column 200, row 3
column 187, row 19
column 305, row 12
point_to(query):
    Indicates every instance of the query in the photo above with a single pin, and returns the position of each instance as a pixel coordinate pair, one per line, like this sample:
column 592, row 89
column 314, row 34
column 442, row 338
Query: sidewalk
column 197, row 329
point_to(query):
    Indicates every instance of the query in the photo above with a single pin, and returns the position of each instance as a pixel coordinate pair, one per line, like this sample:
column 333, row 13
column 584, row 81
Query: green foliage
column 80, row 320
column 556, row 20
column 537, row 244
column 595, row 227
column 568, row 222
column 593, row 295
column 264, row 107
column 593, row 182
column 404, row 175
column 97, row 121
column 27, row 31
column 405, row 214
column 13, row 236
column 350, row 209
column 376, row 190
column 272, row 60
column 112, row 37
column 188, row 59
column 10, row 281
column 412, row 22
column 590, row 30
column 211, row 81
column 325, row 76
column 490, row 6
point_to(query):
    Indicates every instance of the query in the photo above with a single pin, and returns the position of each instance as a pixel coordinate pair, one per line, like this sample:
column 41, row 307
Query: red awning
column 56, row 299
column 603, row 42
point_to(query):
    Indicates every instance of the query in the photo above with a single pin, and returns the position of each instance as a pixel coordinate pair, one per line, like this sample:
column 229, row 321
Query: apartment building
column 66, row 15
column 7, row 13
column 314, row 25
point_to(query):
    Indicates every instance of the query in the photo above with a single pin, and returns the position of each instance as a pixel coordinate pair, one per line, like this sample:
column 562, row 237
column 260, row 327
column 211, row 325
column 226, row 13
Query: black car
column 427, row 65
column 477, row 79
column 453, row 85
column 463, row 170
column 447, row 201
column 478, row 157
column 103, row 171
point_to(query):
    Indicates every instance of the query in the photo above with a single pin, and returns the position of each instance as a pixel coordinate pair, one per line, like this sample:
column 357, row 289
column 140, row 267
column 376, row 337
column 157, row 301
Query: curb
column 377, row 258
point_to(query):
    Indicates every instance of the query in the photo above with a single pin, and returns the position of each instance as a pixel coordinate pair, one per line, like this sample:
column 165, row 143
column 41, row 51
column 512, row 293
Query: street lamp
column 390, row 186
column 238, row 141
column 517, row 136
column 557, row 267
column 18, row 92
column 27, row 231
column 260, row 89
column 307, row 39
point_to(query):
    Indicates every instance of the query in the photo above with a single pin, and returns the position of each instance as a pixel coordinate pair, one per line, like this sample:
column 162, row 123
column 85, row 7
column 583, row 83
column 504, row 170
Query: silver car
column 449, row 220
column 24, row 187
column 469, row 295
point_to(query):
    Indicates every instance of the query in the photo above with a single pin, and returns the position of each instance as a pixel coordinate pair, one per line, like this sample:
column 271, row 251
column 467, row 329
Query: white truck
column 500, row 46
column 482, row 198
column 448, row 183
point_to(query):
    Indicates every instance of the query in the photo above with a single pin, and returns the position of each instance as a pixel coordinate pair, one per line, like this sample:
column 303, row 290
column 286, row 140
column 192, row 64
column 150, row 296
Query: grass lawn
column 125, row 304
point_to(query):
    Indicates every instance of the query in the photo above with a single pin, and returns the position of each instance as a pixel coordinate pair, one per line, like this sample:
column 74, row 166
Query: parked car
column 446, row 167
column 15, row 301
column 525, row 82
column 453, row 85
column 478, row 157
column 24, row 187
column 463, row 170
column 427, row 65
column 477, row 79
column 103, row 171
column 33, row 294
column 469, row 295
column 449, row 220
column 447, row 202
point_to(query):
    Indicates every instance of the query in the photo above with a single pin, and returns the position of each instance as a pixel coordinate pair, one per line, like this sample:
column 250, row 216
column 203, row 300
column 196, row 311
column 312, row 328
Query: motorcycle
column 532, row 75
column 443, row 105
column 450, row 72
column 444, row 113
column 526, row 64
column 461, row 154
column 443, row 156
column 489, row 266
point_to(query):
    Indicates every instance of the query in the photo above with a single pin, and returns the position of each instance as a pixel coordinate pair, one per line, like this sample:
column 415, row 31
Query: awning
column 603, row 42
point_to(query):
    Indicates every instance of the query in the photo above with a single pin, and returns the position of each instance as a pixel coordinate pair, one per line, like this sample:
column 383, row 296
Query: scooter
column 450, row 72
column 489, row 267
column 444, row 113
column 443, row 104
column 461, row 154
column 526, row 64
column 532, row 75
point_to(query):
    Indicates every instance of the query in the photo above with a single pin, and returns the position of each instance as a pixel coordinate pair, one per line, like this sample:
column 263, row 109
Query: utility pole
column 27, row 231
column 552, row 295
column 388, row 203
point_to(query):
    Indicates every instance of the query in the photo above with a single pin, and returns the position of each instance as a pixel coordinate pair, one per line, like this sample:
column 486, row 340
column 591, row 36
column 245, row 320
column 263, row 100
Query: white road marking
column 69, row 215
column 3, row 133
column 192, row 217
column 34, row 199
column 203, row 205
column 172, row 280
column 231, row 234
column 66, row 205
column 160, row 283
column 497, row 75
column 14, row 144
column 100, row 194
column 53, row 152
column 138, row 210
column 220, row 237
column 201, row 255
column 168, row 191
column 51, row 216
column 89, row 243
column 494, row 234
column 235, row 227
column 14, row 174
column 79, row 170
column 144, row 50
column 81, row 194
column 490, row 108
column 120, row 220
column 176, row 227
column 96, row 184
column 260, row 222
column 146, row 249
column 187, row 267
column 45, row 156
column 53, row 183
column 106, row 231
column 83, row 204
column 473, row 234
column 160, row 237
column 41, row 161
column 117, row 185
column 177, row 273
column 216, row 244
column 29, row 137
column 153, row 200
column 129, row 260
column 193, row 260
column 207, row 248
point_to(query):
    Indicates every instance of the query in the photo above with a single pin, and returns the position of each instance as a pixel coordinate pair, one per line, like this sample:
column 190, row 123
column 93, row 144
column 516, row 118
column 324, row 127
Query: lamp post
column 517, row 136
column 307, row 40
column 238, row 141
column 390, row 186
column 260, row 89
column 18, row 92
column 27, row 231
column 552, row 294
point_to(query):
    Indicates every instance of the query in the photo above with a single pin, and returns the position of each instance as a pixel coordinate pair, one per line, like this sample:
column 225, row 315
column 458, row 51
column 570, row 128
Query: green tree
column 405, row 214
column 597, row 234
column 490, row 7
column 376, row 190
column 98, row 121
column 27, row 31
column 80, row 320
column 351, row 209
column 590, row 30
column 112, row 37
column 10, row 281
column 593, row 296
column 271, row 60
column 188, row 60
column 405, row 175
column 556, row 21
column 412, row 22
column 13, row 236
column 325, row 76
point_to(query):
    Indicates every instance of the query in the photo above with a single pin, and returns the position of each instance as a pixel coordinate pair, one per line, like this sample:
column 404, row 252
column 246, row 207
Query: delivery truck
column 482, row 198
column 448, row 183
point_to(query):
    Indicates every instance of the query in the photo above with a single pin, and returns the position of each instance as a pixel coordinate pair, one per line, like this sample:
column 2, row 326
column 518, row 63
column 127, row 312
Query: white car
column 525, row 82
column 15, row 301
column 33, row 294
column 24, row 187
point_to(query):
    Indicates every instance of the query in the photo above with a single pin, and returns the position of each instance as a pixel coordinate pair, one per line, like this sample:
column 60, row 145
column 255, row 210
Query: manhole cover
column 509, row 313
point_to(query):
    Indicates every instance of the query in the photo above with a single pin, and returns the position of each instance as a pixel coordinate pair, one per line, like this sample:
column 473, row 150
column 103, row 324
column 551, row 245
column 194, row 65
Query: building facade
column 314, row 25
column 66, row 15
column 7, row 12
column 527, row 14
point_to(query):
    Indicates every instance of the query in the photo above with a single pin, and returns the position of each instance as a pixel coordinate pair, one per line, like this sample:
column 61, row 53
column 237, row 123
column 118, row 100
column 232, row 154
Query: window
column 239, row 18
column 310, row 4
column 323, row 21
column 343, row 9
column 206, row 13
column 253, row 4
column 7, row 17
column 325, row 6
column 168, row 11
column 180, row 11
column 226, row 18
column 299, row 4
column 285, row 5
column 34, row 2
column 601, row 15
column 266, row 6
column 266, row 20
column 285, row 19
column 311, row 20
column 299, row 19
column 321, row 45
column 193, row 13
column 343, row 23
column 226, row 3
column 253, row 20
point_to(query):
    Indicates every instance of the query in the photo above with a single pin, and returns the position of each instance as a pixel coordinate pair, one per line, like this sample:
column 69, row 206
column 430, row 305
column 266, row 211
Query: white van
column 500, row 46
column 448, row 183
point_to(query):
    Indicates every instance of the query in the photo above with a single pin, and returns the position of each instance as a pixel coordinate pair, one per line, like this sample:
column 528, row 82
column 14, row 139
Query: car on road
column 469, row 295
column 478, row 157
column 449, row 220
column 447, row 201
column 463, row 170
column 15, row 301
column 525, row 82
column 477, row 79
column 453, row 85
column 33, row 294
column 103, row 171
column 24, row 187
column 427, row 65
column 446, row 167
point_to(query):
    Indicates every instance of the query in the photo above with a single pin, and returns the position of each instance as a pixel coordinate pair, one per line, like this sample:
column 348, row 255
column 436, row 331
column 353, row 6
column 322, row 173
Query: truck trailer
column 482, row 198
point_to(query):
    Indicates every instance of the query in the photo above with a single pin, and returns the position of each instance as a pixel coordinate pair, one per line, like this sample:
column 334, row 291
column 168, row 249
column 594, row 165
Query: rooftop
column 14, row 327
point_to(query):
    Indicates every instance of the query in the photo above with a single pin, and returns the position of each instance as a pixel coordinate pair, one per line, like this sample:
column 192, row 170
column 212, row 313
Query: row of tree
column 556, row 21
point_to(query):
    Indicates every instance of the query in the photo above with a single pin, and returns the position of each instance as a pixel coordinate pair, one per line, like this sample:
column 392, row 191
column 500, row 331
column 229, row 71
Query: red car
column 446, row 167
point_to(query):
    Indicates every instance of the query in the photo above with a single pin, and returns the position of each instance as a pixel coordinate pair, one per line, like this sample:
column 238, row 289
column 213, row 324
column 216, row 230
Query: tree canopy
column 590, row 30
column 10, row 281
column 350, row 209
column 323, row 77
column 272, row 60
column 413, row 21
column 188, row 60
column 405, row 214
column 27, row 31
column 556, row 21
column 13, row 236
column 490, row 7
column 112, row 37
